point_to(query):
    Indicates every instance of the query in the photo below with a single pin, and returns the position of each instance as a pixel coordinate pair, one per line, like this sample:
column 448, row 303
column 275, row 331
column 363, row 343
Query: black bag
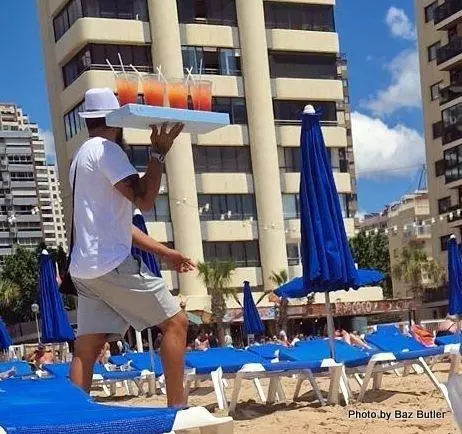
column 67, row 286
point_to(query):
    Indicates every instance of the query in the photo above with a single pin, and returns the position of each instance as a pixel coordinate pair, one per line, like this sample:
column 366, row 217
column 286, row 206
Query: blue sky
column 378, row 38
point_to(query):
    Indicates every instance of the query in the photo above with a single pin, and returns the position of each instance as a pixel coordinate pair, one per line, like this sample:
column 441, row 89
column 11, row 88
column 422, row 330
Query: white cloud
column 404, row 89
column 49, row 142
column 383, row 151
column 400, row 25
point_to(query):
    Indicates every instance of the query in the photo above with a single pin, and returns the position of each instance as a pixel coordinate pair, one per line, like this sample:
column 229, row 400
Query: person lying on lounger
column 7, row 374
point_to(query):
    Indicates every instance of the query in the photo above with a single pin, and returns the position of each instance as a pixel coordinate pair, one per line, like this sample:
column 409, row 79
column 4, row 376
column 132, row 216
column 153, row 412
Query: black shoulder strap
column 73, row 213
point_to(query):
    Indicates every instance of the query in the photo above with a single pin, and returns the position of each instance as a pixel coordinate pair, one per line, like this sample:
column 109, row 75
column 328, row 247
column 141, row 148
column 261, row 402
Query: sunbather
column 8, row 374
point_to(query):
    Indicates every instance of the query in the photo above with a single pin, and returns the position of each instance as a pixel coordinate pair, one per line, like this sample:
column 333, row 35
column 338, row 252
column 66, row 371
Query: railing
column 448, row 8
column 449, row 50
column 432, row 295
column 452, row 133
column 207, row 217
column 448, row 93
column 418, row 231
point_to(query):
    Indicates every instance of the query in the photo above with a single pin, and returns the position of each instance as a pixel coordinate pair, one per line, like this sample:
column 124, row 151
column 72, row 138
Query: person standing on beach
column 115, row 289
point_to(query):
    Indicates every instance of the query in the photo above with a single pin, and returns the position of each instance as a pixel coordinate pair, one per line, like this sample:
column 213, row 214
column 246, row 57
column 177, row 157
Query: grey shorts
column 129, row 295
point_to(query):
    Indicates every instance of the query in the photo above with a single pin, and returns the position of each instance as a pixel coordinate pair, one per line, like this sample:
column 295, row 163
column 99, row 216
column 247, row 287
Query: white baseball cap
column 99, row 102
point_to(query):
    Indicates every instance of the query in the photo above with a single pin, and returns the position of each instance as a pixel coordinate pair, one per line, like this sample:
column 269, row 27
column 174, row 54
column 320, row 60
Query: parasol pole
column 330, row 326
column 139, row 341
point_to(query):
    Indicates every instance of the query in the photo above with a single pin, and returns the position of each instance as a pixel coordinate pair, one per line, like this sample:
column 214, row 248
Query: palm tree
column 216, row 276
column 282, row 316
column 418, row 271
column 10, row 298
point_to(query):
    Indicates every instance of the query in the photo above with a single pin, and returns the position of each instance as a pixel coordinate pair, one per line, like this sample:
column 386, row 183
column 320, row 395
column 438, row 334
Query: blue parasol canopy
column 454, row 278
column 5, row 338
column 253, row 324
column 55, row 324
column 295, row 289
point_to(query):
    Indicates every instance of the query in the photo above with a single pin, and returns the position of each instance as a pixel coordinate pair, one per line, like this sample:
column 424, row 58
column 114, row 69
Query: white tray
column 142, row 116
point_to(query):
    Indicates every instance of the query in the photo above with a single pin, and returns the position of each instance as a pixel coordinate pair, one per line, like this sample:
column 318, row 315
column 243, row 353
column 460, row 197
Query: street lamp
column 35, row 310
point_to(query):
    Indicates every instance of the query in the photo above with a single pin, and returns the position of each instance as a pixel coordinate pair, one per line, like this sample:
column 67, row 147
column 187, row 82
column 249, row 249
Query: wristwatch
column 154, row 155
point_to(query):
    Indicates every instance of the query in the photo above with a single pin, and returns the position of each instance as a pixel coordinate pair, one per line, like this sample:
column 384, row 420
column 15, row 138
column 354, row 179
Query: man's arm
column 143, row 191
column 174, row 259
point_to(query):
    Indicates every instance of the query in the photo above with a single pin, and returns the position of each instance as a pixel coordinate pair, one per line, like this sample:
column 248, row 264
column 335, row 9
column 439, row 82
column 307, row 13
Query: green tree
column 371, row 251
column 216, row 276
column 418, row 271
column 282, row 312
column 9, row 299
column 21, row 270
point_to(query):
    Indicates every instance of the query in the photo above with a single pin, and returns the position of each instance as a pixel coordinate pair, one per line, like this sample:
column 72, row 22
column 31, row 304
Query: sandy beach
column 400, row 399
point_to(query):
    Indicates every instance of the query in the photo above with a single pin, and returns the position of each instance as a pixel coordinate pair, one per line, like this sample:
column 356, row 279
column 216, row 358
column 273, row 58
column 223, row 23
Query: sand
column 402, row 397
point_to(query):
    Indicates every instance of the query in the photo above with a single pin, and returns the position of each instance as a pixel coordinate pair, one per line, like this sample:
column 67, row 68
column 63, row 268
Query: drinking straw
column 122, row 64
column 189, row 77
column 200, row 70
column 159, row 71
column 110, row 66
column 138, row 72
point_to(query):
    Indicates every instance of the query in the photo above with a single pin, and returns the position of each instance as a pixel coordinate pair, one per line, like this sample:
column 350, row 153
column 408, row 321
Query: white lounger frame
column 255, row 371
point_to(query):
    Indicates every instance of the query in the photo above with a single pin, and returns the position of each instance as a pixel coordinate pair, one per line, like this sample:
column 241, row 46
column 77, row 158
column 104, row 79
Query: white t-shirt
column 102, row 215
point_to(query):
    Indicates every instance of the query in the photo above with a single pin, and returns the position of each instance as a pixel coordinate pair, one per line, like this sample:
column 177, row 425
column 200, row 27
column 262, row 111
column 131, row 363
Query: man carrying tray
column 115, row 289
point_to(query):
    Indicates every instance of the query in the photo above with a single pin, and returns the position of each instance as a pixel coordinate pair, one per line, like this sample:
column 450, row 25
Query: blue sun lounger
column 220, row 363
column 22, row 369
column 101, row 376
column 267, row 351
column 41, row 400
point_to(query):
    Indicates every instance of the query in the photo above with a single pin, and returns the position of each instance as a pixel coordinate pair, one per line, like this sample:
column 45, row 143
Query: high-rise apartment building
column 440, row 51
column 25, row 190
column 232, row 193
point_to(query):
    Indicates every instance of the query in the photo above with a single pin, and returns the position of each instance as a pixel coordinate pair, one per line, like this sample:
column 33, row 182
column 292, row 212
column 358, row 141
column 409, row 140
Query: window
column 293, row 254
column 299, row 17
column 435, row 91
column 139, row 157
column 444, row 205
column 94, row 56
column 437, row 128
column 72, row 121
column 432, row 50
column 453, row 164
column 290, row 111
column 242, row 253
column 444, row 240
column 291, row 160
column 452, row 117
column 439, row 168
column 161, row 210
column 430, row 11
column 302, row 65
column 219, row 12
column 218, row 61
column 227, row 206
column 234, row 106
column 115, row 9
column 228, row 159
column 291, row 206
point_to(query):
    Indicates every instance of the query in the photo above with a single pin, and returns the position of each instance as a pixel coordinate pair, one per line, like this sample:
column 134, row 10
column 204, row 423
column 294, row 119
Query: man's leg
column 86, row 351
column 172, row 352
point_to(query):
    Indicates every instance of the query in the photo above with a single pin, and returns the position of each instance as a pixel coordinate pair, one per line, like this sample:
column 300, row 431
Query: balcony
column 418, row 232
column 450, row 54
column 452, row 133
column 448, row 14
column 451, row 92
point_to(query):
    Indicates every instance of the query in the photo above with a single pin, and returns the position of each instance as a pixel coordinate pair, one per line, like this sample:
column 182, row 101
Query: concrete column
column 263, row 144
column 166, row 51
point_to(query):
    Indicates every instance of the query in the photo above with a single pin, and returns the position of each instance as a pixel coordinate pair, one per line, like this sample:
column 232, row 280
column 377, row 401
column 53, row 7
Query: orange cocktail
column 154, row 90
column 127, row 87
column 177, row 92
column 201, row 95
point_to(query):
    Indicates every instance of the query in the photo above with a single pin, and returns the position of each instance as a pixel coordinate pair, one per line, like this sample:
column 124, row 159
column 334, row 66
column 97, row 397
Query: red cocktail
column 177, row 92
column 154, row 90
column 201, row 94
column 127, row 88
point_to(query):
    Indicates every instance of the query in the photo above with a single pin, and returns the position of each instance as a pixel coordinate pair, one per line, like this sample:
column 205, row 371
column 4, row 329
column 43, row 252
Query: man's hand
column 177, row 261
column 162, row 141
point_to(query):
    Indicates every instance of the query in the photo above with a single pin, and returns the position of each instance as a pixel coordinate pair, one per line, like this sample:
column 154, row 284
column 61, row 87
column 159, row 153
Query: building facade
column 25, row 190
column 440, row 52
column 232, row 193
